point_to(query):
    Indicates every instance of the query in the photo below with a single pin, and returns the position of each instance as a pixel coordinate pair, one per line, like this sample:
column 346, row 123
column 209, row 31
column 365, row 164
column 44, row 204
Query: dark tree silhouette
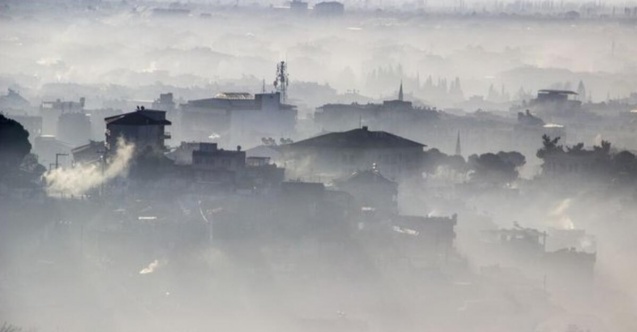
column 498, row 169
column 513, row 157
column 14, row 145
column 5, row 327
column 433, row 158
column 603, row 150
column 549, row 146
column 576, row 149
column 30, row 168
column 624, row 162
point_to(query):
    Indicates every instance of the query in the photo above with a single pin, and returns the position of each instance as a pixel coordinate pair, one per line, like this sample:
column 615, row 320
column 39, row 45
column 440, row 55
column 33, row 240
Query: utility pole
column 103, row 165
column 57, row 155
column 282, row 80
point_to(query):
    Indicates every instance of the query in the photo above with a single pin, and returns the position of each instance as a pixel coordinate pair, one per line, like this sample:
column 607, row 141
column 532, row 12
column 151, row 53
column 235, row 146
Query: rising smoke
column 80, row 179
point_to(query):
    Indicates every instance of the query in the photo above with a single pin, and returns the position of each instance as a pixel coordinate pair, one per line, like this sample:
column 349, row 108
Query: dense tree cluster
column 489, row 168
column 14, row 146
column 601, row 161
column 500, row 168
column 17, row 164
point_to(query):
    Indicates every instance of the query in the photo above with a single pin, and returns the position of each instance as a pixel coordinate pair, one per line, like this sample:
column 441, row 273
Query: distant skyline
column 436, row 3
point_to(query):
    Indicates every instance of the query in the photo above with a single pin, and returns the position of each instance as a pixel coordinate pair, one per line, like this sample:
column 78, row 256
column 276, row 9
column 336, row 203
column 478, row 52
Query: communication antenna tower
column 281, row 81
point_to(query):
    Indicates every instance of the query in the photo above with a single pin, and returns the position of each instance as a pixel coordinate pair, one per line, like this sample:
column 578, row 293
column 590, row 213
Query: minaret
column 458, row 149
column 400, row 91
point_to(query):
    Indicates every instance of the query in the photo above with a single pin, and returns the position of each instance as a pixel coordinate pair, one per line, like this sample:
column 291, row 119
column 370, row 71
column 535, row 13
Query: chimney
column 365, row 128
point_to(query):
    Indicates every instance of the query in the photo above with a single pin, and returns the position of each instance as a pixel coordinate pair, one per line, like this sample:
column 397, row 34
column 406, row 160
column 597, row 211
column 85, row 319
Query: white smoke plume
column 83, row 177
column 150, row 268
column 560, row 217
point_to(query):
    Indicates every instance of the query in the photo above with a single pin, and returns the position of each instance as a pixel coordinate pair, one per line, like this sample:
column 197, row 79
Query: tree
column 433, row 158
column 624, row 162
column 496, row 169
column 603, row 150
column 31, row 168
column 576, row 149
column 14, row 145
column 549, row 146
column 513, row 157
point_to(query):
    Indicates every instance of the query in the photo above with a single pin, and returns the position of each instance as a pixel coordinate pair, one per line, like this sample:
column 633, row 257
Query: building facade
column 144, row 128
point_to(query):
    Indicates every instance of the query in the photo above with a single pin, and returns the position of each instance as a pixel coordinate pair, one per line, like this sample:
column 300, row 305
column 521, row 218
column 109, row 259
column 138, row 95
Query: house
column 13, row 101
column 144, row 128
column 343, row 153
column 570, row 265
column 409, row 242
column 182, row 155
column 51, row 150
column 50, row 111
column 519, row 240
column 436, row 234
column 263, row 150
column 206, row 163
column 555, row 103
column 261, row 173
column 165, row 102
column 392, row 115
column 311, row 204
column 578, row 239
column 371, row 190
column 211, row 164
column 238, row 118
column 329, row 8
column 74, row 128
column 89, row 153
column 298, row 6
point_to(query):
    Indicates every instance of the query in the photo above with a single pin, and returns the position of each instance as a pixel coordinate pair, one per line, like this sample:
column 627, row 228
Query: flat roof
column 563, row 92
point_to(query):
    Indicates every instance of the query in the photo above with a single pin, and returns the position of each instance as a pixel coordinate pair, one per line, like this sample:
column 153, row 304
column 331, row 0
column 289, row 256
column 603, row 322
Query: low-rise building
column 13, row 101
column 165, row 102
column 90, row 153
column 329, row 8
column 435, row 235
column 391, row 115
column 343, row 153
column 218, row 166
column 74, row 128
column 144, row 128
column 298, row 6
column 50, row 111
column 371, row 190
column 238, row 118
column 552, row 104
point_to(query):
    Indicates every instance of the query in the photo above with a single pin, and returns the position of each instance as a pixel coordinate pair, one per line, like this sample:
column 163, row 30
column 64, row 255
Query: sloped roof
column 91, row 146
column 368, row 176
column 136, row 119
column 357, row 138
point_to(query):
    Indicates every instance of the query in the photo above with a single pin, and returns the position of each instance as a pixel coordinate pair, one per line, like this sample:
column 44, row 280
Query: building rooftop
column 139, row 118
column 357, row 138
column 238, row 101
column 92, row 145
column 234, row 95
column 368, row 176
column 560, row 92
